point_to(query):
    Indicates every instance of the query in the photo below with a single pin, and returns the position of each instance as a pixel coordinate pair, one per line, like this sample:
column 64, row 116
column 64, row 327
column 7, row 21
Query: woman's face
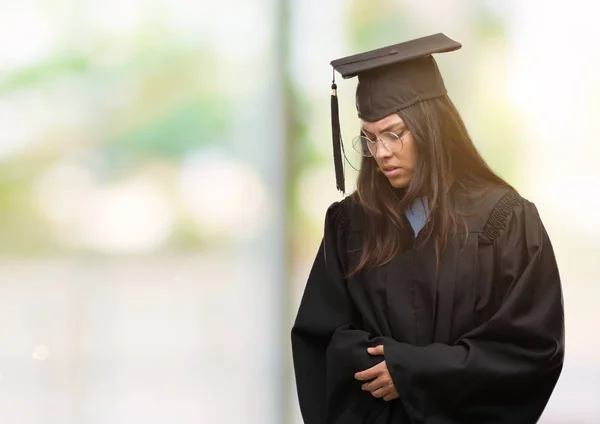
column 399, row 159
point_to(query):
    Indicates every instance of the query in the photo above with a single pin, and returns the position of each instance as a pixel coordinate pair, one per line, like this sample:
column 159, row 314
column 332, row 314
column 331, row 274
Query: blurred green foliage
column 153, row 100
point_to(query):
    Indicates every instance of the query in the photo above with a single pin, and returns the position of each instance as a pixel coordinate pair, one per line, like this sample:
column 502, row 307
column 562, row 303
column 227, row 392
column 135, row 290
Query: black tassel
column 337, row 141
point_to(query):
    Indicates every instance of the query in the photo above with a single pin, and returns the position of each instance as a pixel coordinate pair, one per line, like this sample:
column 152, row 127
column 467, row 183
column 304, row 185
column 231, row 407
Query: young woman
column 435, row 296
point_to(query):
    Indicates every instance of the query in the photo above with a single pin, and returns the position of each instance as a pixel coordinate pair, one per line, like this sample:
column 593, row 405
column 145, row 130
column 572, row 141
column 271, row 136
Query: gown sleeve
column 327, row 390
column 504, row 370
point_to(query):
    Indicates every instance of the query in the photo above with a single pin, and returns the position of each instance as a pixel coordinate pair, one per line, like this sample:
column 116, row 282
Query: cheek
column 409, row 154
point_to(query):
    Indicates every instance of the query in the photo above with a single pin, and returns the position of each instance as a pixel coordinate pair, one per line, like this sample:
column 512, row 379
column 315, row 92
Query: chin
column 400, row 182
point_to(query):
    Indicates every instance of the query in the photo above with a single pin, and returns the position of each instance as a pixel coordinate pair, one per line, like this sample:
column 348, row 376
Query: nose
column 382, row 151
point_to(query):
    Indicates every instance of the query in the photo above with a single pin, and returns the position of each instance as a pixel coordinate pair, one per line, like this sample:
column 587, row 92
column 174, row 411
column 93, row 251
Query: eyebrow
column 388, row 128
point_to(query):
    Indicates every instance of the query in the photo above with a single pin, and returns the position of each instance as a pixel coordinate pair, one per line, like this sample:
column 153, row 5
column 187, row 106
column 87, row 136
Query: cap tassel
column 337, row 140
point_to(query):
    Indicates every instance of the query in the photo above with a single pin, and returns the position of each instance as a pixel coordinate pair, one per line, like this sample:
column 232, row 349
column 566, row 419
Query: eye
column 368, row 135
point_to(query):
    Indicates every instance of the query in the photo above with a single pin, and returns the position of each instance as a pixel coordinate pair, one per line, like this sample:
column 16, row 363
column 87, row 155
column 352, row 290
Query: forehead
column 376, row 127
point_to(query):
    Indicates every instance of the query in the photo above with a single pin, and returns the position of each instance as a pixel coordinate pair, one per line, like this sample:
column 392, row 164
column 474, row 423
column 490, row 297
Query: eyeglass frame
column 399, row 137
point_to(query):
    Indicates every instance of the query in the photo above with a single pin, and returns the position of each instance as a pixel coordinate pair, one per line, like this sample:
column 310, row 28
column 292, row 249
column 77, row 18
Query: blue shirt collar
column 417, row 214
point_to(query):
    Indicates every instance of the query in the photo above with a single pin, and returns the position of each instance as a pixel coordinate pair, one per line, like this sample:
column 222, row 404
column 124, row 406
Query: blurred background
column 165, row 168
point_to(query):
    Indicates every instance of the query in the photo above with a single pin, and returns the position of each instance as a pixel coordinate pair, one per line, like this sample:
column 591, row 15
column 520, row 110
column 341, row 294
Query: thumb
column 377, row 350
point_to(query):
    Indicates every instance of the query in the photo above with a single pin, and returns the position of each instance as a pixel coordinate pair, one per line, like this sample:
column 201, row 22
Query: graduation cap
column 389, row 79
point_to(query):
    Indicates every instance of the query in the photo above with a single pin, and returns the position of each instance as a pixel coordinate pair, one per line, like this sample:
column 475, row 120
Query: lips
column 391, row 171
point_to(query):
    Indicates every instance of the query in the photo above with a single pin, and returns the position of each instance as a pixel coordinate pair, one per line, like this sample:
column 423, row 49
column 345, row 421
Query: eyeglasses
column 367, row 147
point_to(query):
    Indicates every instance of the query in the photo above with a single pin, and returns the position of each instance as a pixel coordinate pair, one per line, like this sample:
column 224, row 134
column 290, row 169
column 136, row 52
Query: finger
column 373, row 385
column 377, row 350
column 370, row 373
column 391, row 396
column 381, row 382
column 379, row 393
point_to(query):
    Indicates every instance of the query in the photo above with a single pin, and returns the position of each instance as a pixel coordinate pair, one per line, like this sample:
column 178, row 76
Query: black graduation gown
column 481, row 342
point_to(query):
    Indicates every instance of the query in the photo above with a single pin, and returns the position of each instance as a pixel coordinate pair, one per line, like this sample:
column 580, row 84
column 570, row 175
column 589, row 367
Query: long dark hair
column 446, row 156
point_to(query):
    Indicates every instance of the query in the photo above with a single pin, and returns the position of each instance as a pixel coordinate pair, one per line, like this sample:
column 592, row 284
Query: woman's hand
column 382, row 385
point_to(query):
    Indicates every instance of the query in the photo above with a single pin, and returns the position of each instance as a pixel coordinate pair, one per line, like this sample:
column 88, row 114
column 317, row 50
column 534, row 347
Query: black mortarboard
column 389, row 80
